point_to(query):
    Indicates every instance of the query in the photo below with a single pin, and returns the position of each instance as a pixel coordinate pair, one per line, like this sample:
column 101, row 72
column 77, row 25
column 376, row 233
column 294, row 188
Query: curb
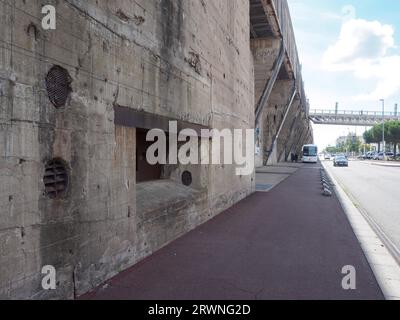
column 383, row 264
column 382, row 165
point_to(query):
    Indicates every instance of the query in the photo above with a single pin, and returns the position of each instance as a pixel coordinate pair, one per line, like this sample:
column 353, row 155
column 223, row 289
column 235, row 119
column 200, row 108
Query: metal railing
column 281, row 8
column 325, row 112
column 282, row 12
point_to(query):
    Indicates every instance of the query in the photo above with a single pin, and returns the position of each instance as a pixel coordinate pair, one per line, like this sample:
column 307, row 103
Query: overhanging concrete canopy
column 276, row 63
column 260, row 23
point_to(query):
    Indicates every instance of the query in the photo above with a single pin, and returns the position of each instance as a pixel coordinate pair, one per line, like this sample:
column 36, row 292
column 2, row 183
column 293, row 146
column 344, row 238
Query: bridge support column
column 281, row 136
column 277, row 72
column 289, row 132
column 273, row 118
column 268, row 59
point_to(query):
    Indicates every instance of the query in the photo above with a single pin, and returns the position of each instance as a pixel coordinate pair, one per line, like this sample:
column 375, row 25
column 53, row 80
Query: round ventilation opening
column 187, row 178
column 58, row 84
column 56, row 179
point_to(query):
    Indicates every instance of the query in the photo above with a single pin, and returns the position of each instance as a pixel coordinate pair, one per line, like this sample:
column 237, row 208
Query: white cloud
column 360, row 39
column 386, row 72
column 363, row 50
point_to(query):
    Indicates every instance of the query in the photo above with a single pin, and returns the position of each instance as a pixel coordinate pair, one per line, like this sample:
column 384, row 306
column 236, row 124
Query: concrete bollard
column 326, row 182
column 327, row 193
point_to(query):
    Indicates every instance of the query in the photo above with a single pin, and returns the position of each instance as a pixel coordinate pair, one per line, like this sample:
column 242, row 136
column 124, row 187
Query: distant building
column 341, row 141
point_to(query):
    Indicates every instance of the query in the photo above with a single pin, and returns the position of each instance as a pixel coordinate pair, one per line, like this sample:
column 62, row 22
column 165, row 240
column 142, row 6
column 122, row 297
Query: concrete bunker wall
column 186, row 60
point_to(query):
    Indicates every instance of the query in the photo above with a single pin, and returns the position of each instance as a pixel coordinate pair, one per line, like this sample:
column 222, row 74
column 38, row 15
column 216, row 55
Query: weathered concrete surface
column 187, row 60
column 268, row 34
column 265, row 52
column 289, row 243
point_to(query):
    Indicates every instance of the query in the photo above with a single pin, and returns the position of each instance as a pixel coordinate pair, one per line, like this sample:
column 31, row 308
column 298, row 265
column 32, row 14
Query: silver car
column 340, row 161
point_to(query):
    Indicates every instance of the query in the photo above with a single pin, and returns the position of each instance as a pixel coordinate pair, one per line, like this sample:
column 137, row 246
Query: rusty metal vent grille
column 187, row 178
column 56, row 179
column 58, row 84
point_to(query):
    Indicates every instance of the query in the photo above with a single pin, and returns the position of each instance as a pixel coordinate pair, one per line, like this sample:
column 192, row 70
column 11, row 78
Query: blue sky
column 350, row 52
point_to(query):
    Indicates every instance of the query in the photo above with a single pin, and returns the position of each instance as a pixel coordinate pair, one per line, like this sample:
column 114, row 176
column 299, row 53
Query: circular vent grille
column 187, row 178
column 56, row 179
column 58, row 84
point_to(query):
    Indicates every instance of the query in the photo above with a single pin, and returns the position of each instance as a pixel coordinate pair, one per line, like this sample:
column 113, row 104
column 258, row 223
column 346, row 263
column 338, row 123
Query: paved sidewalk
column 269, row 177
column 289, row 243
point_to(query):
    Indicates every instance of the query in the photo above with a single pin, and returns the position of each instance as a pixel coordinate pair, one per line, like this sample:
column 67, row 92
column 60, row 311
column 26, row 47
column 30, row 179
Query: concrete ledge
column 375, row 247
column 157, row 196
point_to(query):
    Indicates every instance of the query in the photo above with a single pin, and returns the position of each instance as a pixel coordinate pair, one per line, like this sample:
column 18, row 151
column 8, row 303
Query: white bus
column 310, row 153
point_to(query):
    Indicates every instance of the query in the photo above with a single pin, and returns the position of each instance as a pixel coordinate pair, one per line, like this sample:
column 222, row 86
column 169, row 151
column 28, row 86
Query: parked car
column 376, row 156
column 390, row 155
column 381, row 156
column 340, row 161
column 370, row 155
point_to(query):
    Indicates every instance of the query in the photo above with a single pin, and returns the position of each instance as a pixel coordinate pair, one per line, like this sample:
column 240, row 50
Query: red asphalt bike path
column 289, row 243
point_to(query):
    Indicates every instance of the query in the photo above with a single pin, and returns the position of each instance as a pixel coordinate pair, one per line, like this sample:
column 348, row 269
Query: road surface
column 376, row 190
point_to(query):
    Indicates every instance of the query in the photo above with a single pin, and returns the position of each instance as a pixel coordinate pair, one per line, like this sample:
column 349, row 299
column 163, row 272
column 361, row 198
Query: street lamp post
column 365, row 144
column 383, row 128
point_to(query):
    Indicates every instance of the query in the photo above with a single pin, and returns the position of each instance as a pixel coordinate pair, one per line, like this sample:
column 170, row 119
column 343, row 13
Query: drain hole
column 187, row 178
column 56, row 179
column 58, row 84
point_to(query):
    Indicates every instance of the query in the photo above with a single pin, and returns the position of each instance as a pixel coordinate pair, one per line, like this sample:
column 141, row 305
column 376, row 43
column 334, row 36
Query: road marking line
column 380, row 234
column 374, row 243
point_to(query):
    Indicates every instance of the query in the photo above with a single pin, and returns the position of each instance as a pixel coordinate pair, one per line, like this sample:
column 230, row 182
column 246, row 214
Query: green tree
column 368, row 137
column 353, row 143
column 374, row 135
column 394, row 133
column 366, row 147
column 331, row 150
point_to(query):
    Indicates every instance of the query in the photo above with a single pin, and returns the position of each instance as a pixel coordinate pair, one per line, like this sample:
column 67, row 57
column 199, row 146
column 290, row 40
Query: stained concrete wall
column 283, row 127
column 185, row 59
column 265, row 52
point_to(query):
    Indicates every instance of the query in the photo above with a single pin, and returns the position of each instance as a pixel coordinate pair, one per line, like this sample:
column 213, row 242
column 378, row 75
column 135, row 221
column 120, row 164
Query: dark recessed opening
column 58, row 84
column 145, row 171
column 56, row 179
column 187, row 178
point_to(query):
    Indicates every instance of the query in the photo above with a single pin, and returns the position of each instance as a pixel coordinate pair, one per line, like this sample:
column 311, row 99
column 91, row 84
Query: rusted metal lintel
column 128, row 117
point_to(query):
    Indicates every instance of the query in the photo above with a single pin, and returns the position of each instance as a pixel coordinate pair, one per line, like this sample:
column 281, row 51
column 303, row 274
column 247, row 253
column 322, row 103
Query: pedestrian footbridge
column 351, row 118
